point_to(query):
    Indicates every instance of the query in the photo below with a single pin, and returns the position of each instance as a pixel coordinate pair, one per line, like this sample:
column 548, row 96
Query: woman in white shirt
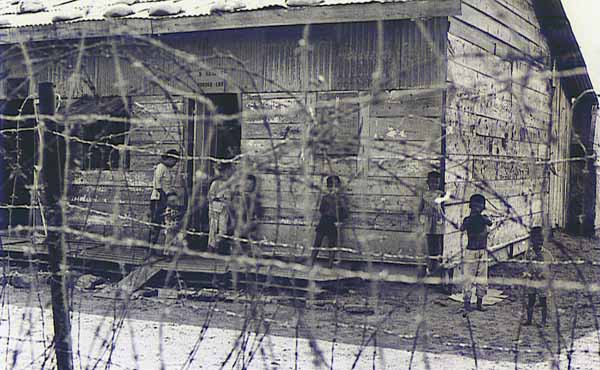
column 158, row 198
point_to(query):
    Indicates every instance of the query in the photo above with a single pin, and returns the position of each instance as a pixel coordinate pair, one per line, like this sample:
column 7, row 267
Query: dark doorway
column 17, row 161
column 210, row 133
column 577, row 178
column 582, row 178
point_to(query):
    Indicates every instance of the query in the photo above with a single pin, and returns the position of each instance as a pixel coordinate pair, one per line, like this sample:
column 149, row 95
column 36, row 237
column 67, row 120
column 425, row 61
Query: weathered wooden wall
column 383, row 177
column 116, row 203
column 499, row 110
column 395, row 136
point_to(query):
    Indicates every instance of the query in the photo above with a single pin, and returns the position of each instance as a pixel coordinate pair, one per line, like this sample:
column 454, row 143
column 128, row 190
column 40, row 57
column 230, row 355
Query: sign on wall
column 212, row 81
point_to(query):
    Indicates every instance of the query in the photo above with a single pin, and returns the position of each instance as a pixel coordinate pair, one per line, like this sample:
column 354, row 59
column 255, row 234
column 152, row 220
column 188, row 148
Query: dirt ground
column 396, row 315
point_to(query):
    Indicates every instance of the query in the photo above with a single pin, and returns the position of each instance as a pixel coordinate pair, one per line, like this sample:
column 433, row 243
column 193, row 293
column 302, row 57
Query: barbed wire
column 306, row 150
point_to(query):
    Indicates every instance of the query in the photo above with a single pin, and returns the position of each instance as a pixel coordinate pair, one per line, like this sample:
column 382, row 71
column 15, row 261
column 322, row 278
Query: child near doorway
column 158, row 199
column 219, row 199
column 431, row 217
column 334, row 211
column 246, row 211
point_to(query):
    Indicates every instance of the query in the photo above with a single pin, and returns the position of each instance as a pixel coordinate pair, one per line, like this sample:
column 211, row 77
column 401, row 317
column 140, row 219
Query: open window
column 102, row 127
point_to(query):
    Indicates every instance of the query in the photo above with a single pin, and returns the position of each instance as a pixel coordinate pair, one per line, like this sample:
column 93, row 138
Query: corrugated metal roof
column 94, row 10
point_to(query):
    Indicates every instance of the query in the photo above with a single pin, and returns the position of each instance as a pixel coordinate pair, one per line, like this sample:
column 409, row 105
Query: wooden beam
column 247, row 19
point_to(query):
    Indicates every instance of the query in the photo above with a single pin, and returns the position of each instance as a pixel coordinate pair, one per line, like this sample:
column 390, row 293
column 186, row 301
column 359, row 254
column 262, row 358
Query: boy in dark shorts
column 475, row 266
column 333, row 211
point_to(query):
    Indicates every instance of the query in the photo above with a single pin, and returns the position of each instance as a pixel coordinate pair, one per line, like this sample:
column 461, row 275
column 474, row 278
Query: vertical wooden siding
column 399, row 132
column 384, row 178
column 115, row 202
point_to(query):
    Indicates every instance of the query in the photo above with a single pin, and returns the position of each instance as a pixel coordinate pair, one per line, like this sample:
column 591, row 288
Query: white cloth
column 475, row 272
column 431, row 212
column 160, row 180
column 217, row 196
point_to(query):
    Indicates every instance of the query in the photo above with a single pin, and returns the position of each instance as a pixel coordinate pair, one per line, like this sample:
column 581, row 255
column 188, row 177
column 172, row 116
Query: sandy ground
column 143, row 344
column 278, row 334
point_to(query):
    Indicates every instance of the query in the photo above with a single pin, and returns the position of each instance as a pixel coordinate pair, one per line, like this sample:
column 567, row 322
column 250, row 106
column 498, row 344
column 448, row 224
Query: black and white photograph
column 299, row 184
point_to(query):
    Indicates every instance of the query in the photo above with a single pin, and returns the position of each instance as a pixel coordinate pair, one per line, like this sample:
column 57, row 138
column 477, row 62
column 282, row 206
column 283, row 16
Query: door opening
column 210, row 136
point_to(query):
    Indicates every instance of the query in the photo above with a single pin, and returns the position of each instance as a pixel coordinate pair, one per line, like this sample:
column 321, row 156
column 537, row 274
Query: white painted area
column 583, row 16
column 143, row 338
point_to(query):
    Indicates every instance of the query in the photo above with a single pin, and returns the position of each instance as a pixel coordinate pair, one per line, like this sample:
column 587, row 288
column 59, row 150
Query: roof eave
column 249, row 19
column 563, row 45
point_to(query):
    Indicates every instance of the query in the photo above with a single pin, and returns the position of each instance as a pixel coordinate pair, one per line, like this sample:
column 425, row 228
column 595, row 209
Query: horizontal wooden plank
column 520, row 73
column 488, row 24
column 298, row 240
column 356, row 202
column 397, row 221
column 362, row 195
column 402, row 168
column 352, row 185
column 503, row 188
column 416, row 102
column 272, row 130
column 107, row 194
column 493, row 45
column 266, row 147
column 490, row 145
column 462, row 169
column 406, row 128
column 485, row 98
column 144, row 162
column 522, row 8
column 510, row 19
column 296, row 166
column 314, row 15
column 409, row 150
column 471, row 124
column 489, row 168
column 274, row 108
column 128, row 178
column 155, row 136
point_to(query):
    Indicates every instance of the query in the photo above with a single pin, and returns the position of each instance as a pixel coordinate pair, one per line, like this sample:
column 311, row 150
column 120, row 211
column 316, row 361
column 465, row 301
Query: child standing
column 537, row 270
column 246, row 212
column 431, row 216
column 333, row 211
column 475, row 267
column 219, row 199
column 158, row 198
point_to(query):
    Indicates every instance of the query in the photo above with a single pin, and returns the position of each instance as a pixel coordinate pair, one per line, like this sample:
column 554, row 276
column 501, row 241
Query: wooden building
column 488, row 92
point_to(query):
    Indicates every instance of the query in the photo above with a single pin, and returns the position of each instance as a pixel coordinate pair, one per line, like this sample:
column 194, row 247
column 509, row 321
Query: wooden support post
column 53, row 176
